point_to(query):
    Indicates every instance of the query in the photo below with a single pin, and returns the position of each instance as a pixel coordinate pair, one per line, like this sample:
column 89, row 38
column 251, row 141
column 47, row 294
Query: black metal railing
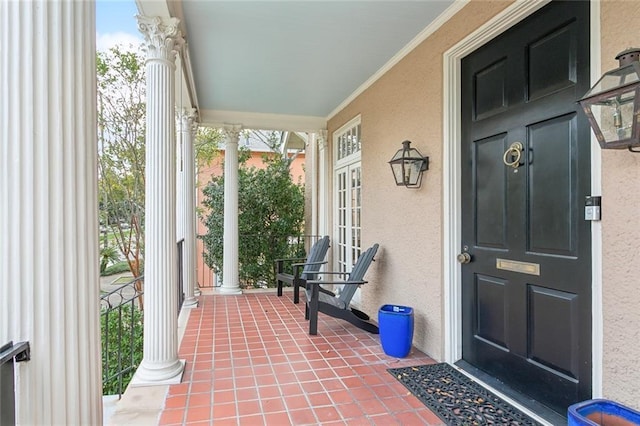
column 122, row 333
column 180, row 279
column 10, row 354
column 258, row 252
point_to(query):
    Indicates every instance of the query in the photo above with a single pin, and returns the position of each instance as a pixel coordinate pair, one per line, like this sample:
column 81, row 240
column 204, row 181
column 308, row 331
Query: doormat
column 456, row 399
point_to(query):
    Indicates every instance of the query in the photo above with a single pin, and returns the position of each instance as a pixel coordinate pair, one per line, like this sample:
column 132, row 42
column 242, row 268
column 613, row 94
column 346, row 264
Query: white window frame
column 347, row 165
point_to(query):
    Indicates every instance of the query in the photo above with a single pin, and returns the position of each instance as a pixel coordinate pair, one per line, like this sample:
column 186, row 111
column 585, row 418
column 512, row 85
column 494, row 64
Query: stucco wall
column 620, row 229
column 406, row 103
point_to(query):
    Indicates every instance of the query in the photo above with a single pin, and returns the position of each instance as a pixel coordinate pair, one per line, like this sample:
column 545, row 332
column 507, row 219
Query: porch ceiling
column 291, row 64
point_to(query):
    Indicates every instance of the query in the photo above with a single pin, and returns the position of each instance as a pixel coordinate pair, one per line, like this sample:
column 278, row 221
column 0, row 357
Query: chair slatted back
column 357, row 274
column 317, row 253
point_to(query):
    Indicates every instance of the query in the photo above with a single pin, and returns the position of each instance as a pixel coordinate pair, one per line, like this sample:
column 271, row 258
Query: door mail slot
column 517, row 266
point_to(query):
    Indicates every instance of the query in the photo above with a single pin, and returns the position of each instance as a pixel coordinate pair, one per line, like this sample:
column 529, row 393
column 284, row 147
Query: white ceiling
column 296, row 59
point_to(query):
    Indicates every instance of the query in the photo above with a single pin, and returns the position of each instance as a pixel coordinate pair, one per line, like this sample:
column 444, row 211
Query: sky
column 115, row 24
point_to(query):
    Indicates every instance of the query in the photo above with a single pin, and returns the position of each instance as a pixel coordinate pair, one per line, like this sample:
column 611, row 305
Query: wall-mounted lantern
column 612, row 104
column 408, row 165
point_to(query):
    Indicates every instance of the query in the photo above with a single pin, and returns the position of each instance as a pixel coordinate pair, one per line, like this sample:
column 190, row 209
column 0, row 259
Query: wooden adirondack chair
column 305, row 269
column 338, row 306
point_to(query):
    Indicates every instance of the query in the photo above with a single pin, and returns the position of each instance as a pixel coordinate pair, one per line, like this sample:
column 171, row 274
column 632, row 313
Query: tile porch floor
column 251, row 361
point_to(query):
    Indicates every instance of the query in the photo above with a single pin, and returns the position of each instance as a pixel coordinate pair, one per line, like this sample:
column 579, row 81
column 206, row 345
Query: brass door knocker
column 512, row 155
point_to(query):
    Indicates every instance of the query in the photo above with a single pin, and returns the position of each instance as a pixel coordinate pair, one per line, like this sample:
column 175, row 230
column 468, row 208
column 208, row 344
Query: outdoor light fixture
column 612, row 104
column 408, row 165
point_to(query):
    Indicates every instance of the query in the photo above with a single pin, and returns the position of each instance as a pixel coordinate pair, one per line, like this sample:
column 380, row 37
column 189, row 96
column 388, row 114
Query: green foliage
column 122, row 333
column 206, row 145
column 108, row 255
column 116, row 268
column 271, row 210
column 121, row 147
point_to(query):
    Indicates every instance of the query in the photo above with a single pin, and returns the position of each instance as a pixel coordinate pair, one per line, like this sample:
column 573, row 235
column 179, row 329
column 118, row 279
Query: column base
column 190, row 303
column 197, row 292
column 169, row 375
column 229, row 290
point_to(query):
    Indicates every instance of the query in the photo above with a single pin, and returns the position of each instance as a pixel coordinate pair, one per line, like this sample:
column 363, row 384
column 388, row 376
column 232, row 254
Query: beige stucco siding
column 406, row 103
column 620, row 230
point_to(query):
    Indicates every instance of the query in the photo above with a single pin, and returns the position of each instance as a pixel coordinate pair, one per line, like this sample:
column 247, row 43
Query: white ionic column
column 323, row 183
column 49, row 278
column 230, row 273
column 160, row 363
column 312, row 179
column 187, row 134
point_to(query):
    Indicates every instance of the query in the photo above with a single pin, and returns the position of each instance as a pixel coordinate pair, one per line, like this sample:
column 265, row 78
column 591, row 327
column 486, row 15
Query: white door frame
column 451, row 181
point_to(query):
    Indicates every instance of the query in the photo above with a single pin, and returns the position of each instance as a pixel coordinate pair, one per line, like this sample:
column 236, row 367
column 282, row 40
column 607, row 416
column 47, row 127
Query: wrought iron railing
column 122, row 334
column 297, row 246
column 9, row 354
column 180, row 277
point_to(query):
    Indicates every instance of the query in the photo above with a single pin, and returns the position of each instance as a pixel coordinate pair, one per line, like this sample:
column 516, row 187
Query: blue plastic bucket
column 396, row 330
column 596, row 412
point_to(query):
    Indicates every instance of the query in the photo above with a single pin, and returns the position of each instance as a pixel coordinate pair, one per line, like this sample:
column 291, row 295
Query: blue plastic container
column 601, row 412
column 396, row 329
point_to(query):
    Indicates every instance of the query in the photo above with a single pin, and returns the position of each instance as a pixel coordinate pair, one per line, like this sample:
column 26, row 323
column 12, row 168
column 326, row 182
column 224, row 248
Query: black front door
column 526, row 167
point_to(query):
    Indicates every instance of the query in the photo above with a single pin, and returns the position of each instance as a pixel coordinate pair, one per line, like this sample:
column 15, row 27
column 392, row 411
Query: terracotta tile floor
column 251, row 361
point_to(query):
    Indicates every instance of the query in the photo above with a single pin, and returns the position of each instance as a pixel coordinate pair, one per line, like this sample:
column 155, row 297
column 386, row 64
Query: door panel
column 526, row 295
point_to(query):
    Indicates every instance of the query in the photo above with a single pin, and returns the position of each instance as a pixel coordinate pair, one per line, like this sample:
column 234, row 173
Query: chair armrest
column 318, row 282
column 333, row 273
column 309, row 263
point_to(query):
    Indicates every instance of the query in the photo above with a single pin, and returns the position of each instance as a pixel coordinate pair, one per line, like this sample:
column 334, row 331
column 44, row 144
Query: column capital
column 187, row 120
column 162, row 37
column 321, row 138
column 232, row 132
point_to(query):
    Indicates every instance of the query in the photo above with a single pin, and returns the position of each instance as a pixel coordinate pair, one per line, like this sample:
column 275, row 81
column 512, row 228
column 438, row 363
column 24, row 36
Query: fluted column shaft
column 323, row 183
column 160, row 363
column 188, row 128
column 49, row 278
column 230, row 273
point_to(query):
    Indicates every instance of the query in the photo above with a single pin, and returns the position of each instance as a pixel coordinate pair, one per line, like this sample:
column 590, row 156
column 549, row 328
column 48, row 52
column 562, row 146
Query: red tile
column 254, row 420
column 179, row 401
column 246, row 408
column 277, row 419
column 221, row 411
column 319, row 399
column 198, row 399
column 198, row 413
column 327, row 414
column 272, row 405
column 171, row 417
column 372, row 407
column 303, row 417
column 296, row 402
column 350, row 410
column 221, row 397
column 385, row 420
column 269, row 391
column 200, row 387
column 246, row 394
column 180, row 389
column 340, row 396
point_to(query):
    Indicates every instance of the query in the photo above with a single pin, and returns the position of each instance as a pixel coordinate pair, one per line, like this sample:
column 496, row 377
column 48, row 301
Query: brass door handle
column 513, row 154
column 464, row 257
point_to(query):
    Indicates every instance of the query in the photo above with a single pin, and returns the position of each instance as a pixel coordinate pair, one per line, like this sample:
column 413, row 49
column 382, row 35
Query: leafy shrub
column 270, row 212
column 122, row 336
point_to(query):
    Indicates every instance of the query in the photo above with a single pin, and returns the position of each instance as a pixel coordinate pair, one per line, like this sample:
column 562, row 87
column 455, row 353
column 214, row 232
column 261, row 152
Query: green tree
column 271, row 211
column 121, row 144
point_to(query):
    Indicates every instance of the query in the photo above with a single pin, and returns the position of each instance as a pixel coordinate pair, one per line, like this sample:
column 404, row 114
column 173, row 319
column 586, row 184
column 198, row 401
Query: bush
column 270, row 211
column 122, row 336
column 116, row 268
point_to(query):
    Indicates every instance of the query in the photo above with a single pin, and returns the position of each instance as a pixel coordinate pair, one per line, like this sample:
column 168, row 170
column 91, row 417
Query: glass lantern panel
column 397, row 173
column 615, row 117
column 616, row 78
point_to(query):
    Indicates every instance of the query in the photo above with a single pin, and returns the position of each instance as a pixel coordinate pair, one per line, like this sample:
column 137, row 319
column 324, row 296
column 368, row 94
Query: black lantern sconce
column 408, row 165
column 612, row 104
